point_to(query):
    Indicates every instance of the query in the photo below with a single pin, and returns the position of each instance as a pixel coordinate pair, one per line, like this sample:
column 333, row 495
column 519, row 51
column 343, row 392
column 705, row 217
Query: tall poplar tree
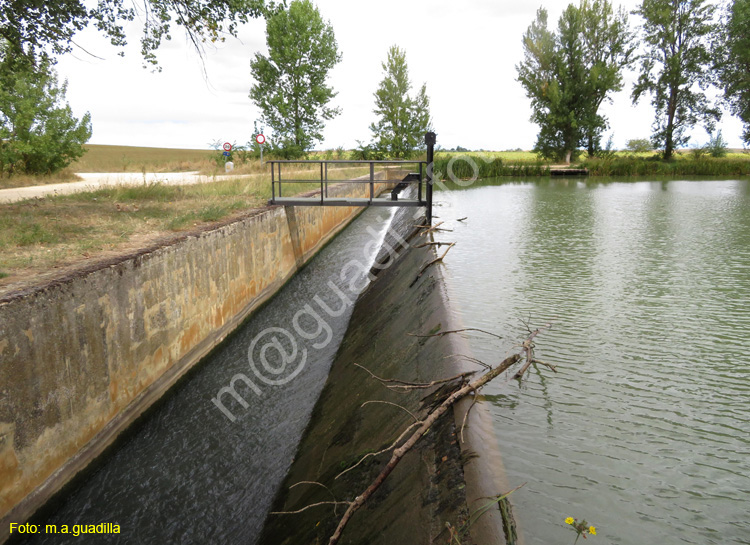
column 676, row 68
column 291, row 89
column 733, row 62
column 403, row 120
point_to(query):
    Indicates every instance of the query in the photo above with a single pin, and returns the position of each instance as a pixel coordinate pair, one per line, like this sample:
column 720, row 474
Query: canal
column 645, row 430
column 188, row 472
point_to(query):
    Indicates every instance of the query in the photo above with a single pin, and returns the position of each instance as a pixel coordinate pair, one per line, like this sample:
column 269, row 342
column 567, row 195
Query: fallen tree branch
column 371, row 454
column 428, row 422
column 466, row 416
column 528, row 349
column 391, row 403
column 404, row 385
column 469, row 358
column 412, row 435
column 431, row 263
column 438, row 244
column 316, row 483
column 442, row 333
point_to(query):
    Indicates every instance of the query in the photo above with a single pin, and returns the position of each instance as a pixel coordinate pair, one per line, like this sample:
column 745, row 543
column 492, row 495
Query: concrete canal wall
column 83, row 356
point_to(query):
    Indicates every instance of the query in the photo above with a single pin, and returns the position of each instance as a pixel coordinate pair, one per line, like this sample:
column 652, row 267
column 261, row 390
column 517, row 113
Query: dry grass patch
column 41, row 234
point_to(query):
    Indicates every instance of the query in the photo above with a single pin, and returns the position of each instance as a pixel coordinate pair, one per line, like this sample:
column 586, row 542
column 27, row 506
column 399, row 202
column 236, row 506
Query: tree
column 733, row 61
column 608, row 47
column 38, row 132
column 32, row 27
column 675, row 69
column 570, row 73
column 291, row 89
column 403, row 120
column 639, row 145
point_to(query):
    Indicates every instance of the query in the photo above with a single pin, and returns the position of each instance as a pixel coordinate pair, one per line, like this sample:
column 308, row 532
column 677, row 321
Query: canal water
column 645, row 430
column 187, row 473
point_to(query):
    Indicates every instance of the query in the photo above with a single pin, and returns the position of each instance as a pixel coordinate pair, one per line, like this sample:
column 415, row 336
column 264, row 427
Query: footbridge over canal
column 422, row 179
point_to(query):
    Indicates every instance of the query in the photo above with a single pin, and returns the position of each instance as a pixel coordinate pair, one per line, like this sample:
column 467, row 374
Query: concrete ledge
column 83, row 355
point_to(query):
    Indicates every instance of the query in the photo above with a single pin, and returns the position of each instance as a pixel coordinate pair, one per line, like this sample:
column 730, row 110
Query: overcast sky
column 465, row 51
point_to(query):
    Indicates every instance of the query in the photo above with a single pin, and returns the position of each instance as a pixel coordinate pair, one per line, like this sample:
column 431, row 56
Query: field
column 39, row 235
column 134, row 159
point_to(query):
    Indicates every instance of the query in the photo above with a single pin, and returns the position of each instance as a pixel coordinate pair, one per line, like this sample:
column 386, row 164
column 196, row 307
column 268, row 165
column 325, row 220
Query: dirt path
column 92, row 181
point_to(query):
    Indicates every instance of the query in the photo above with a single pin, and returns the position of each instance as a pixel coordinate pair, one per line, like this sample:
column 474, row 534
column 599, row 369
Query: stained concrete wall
column 82, row 357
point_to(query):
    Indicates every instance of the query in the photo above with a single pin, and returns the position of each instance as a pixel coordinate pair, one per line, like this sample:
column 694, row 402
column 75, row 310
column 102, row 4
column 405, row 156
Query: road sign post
column 260, row 139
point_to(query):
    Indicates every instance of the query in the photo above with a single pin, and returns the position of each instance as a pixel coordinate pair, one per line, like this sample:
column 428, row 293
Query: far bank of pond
column 488, row 165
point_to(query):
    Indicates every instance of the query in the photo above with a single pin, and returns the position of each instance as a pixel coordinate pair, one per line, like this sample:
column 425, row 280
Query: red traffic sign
column 227, row 146
column 260, row 139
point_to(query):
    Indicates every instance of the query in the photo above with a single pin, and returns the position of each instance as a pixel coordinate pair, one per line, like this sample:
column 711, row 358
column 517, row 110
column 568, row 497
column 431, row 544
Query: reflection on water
column 645, row 430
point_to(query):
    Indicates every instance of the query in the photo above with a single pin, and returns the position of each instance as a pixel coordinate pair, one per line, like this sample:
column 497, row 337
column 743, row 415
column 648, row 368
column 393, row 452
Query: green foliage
column 675, row 69
column 32, row 27
column 732, row 61
column 291, row 89
column 366, row 152
column 38, row 132
column 570, row 73
column 700, row 164
column 403, row 120
column 639, row 145
column 463, row 167
column 717, row 146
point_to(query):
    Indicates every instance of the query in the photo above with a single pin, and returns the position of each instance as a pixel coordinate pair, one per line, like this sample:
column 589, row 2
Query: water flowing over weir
column 191, row 472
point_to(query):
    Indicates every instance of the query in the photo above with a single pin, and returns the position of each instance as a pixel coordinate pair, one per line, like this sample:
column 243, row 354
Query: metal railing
column 422, row 178
column 324, row 179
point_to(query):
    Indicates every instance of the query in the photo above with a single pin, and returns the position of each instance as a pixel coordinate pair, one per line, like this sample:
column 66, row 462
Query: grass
column 684, row 164
column 40, row 234
column 526, row 163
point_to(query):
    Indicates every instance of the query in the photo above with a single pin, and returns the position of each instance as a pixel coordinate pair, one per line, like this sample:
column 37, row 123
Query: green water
column 645, row 429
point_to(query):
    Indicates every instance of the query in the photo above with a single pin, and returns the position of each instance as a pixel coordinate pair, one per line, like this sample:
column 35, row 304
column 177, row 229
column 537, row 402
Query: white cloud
column 466, row 53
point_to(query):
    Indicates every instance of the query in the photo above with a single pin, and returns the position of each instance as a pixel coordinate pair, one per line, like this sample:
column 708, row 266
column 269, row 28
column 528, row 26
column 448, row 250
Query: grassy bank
column 521, row 164
column 488, row 165
column 40, row 234
column 683, row 165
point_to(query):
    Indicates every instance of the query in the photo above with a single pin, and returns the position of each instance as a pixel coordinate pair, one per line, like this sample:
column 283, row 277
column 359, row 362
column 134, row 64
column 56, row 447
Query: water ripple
column 644, row 430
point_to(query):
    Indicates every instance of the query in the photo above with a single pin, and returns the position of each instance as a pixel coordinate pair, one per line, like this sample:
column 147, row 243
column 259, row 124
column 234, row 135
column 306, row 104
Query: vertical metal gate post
column 429, row 139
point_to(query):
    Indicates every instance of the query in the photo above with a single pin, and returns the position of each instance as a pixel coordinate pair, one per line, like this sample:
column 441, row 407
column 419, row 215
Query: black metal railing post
column 372, row 181
column 273, row 185
column 419, row 183
column 429, row 139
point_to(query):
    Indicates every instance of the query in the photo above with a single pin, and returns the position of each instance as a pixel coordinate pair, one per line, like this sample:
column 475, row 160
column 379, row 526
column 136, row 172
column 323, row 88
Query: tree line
column 686, row 48
column 40, row 135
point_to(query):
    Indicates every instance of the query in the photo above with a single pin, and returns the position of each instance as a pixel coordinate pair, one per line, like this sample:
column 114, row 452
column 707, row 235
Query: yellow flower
column 569, row 520
column 592, row 530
